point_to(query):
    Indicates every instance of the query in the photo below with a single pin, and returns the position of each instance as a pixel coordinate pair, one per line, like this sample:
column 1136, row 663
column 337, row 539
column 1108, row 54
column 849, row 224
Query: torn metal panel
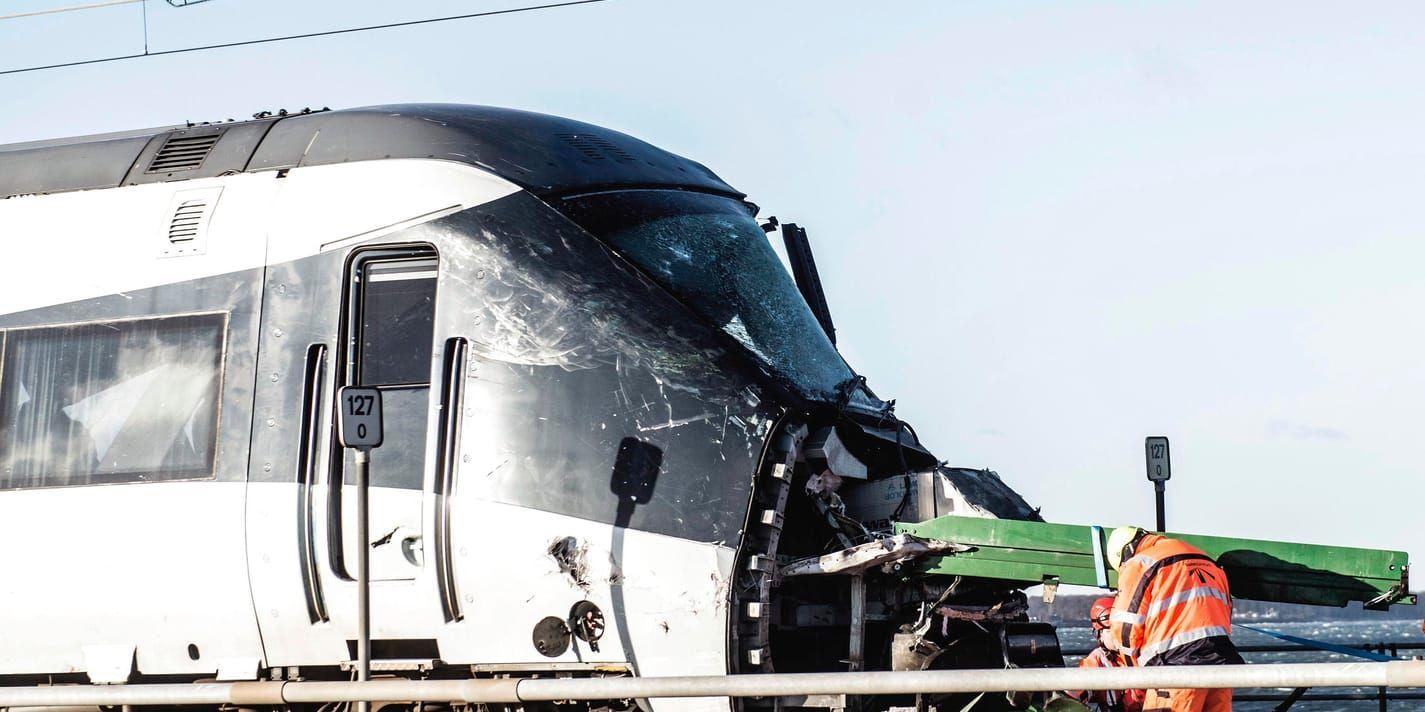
column 824, row 452
column 889, row 550
column 985, row 492
column 922, row 496
column 572, row 558
column 855, row 656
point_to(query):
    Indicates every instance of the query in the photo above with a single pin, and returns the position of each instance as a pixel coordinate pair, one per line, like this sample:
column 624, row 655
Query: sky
column 1048, row 229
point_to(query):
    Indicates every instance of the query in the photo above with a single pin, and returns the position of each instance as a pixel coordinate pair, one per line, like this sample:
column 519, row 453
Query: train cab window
column 394, row 322
column 119, row 401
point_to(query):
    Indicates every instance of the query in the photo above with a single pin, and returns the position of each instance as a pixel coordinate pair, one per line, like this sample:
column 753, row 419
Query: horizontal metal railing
column 1381, row 696
column 508, row 690
column 1385, row 648
column 1333, row 697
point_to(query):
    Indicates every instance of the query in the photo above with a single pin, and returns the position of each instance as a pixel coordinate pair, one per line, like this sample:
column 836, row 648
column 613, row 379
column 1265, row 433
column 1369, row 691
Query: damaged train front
column 823, row 580
column 827, row 582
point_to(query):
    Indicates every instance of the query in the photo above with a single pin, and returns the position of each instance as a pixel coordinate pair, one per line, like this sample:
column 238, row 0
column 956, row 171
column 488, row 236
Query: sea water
column 1339, row 632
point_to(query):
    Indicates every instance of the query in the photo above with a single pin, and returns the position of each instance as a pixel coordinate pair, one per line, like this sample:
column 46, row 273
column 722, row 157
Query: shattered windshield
column 710, row 251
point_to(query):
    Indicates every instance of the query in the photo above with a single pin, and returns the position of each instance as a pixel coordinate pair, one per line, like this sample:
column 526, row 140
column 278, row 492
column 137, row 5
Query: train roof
column 547, row 155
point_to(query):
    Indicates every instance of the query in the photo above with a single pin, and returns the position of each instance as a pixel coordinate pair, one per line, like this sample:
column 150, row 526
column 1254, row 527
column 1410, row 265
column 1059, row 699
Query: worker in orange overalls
column 1104, row 656
column 1173, row 608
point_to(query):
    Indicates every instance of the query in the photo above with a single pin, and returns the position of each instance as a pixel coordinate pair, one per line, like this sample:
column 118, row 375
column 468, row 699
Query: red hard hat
column 1099, row 612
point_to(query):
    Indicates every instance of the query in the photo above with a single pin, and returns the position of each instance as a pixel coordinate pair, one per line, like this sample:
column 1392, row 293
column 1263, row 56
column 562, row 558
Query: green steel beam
column 1031, row 552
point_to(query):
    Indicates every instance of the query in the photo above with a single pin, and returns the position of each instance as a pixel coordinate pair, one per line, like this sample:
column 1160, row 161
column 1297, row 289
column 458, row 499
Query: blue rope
column 1320, row 645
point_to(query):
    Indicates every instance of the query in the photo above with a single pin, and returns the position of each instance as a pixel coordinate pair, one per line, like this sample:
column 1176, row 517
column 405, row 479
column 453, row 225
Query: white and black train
column 612, row 414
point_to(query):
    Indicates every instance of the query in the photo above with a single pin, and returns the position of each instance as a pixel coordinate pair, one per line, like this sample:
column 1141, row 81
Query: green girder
column 1026, row 553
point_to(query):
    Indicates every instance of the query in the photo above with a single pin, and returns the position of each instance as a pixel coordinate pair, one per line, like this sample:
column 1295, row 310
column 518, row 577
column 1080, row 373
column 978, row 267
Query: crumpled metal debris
column 823, row 483
column 887, row 550
column 572, row 559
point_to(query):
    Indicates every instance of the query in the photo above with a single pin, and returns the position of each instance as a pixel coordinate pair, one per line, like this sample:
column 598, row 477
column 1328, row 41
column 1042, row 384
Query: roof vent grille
column 183, row 153
column 596, row 148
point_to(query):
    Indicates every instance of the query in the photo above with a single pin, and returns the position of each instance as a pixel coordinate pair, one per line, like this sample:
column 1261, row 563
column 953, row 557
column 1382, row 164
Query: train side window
column 394, row 321
column 117, row 401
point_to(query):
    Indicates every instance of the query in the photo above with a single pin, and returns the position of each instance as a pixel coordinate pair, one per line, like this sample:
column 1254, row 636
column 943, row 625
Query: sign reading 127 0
column 359, row 412
column 1160, row 465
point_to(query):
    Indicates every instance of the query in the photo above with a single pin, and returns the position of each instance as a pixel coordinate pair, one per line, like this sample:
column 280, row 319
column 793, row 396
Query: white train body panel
column 152, row 567
column 72, row 246
column 161, row 566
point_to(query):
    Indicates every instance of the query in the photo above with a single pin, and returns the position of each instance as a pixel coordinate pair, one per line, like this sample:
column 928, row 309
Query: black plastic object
column 551, row 637
column 399, row 649
column 1031, row 645
column 808, row 280
column 588, row 623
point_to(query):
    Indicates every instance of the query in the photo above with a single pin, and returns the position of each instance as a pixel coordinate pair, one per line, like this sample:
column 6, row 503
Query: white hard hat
column 1120, row 543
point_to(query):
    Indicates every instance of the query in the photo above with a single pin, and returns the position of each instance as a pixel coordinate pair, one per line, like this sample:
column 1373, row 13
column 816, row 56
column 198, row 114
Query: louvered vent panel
column 187, row 219
column 596, row 148
column 182, row 153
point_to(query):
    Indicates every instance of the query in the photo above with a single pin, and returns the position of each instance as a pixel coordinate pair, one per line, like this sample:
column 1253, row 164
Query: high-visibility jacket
column 1173, row 606
column 1112, row 700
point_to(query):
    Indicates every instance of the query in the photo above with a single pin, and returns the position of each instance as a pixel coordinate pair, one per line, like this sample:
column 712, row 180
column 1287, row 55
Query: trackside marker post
column 360, row 428
column 1160, row 470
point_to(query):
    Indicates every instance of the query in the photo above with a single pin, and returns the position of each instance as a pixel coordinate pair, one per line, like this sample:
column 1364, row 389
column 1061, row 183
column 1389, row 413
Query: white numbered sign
column 1160, row 467
column 359, row 410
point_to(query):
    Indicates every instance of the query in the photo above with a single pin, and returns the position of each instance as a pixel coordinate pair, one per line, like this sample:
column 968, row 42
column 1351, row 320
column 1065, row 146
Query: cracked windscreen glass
column 710, row 251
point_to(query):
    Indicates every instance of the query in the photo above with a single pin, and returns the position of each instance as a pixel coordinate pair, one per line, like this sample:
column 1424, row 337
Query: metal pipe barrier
column 509, row 690
column 1333, row 697
column 1383, row 648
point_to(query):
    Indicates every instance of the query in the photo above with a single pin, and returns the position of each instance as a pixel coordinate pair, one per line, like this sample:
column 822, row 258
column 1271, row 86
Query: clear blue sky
column 1048, row 229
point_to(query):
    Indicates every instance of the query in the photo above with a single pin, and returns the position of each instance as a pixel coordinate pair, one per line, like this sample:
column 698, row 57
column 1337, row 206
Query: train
column 619, row 437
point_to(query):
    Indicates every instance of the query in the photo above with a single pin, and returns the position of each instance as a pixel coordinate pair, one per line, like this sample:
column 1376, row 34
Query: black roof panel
column 101, row 163
column 546, row 155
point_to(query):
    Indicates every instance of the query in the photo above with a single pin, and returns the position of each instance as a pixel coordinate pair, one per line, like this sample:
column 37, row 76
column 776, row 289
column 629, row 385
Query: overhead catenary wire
column 69, row 8
column 301, row 36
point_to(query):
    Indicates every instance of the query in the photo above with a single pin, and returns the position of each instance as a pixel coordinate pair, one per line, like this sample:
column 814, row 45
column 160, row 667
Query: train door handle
column 413, row 549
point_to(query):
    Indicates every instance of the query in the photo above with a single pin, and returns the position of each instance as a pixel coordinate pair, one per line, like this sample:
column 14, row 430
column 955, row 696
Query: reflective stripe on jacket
column 1170, row 594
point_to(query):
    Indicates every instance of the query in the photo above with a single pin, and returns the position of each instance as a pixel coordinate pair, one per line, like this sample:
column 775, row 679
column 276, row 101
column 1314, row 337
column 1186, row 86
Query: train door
column 365, row 317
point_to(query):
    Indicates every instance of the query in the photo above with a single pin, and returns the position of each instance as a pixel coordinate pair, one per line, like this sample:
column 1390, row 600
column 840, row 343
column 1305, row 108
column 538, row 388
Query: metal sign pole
column 363, row 570
column 1159, row 490
column 362, row 429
